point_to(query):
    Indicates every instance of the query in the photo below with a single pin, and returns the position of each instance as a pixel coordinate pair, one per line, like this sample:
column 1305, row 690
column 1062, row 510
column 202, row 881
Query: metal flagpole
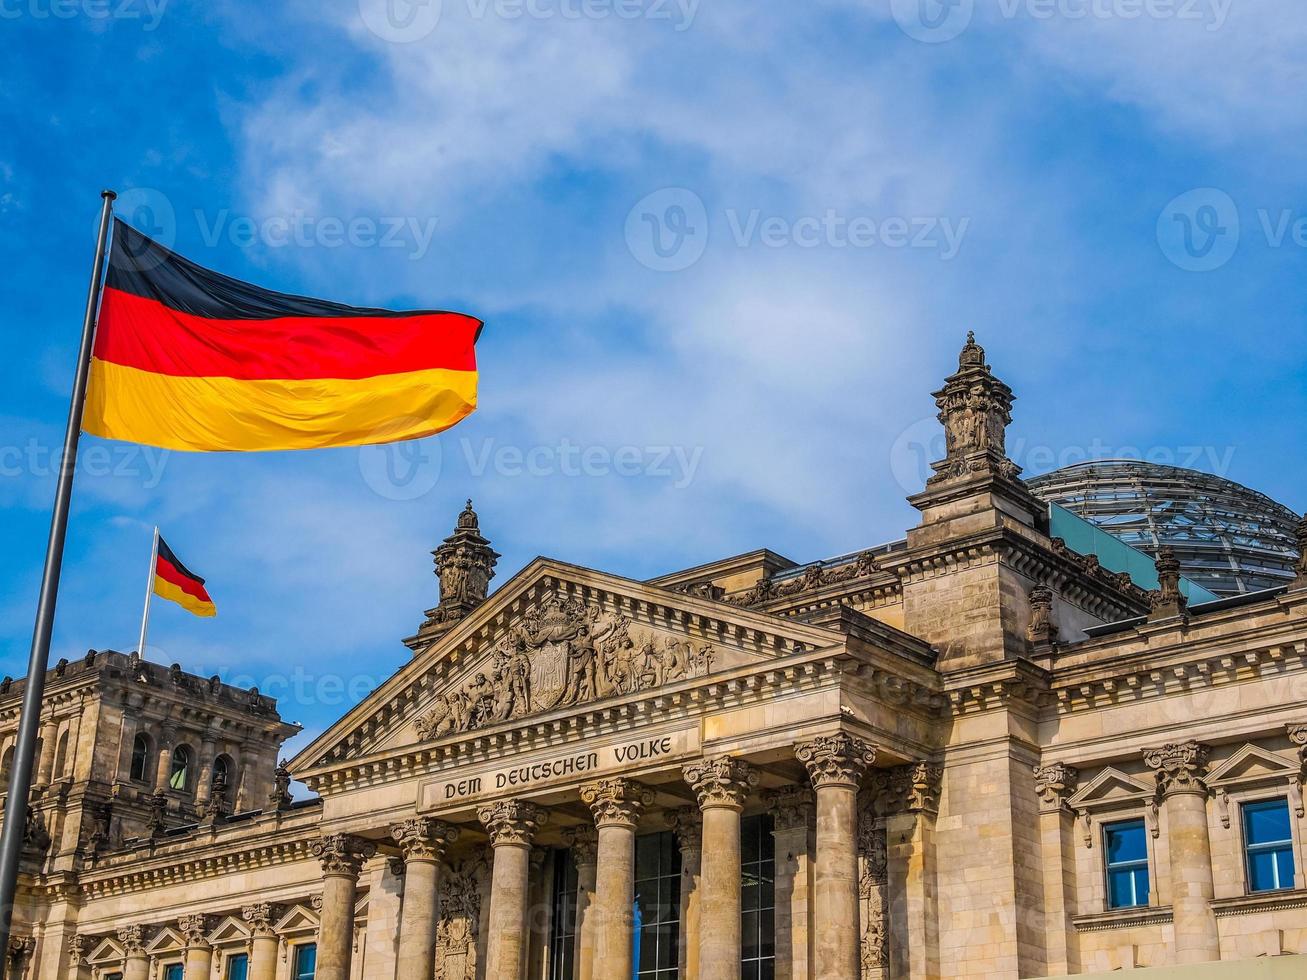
column 20, row 778
column 149, row 592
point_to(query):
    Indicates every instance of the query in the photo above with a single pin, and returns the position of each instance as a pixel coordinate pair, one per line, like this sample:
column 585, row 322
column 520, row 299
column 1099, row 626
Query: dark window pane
column 1267, row 822
column 238, row 967
column 668, row 953
column 1126, row 842
column 750, row 833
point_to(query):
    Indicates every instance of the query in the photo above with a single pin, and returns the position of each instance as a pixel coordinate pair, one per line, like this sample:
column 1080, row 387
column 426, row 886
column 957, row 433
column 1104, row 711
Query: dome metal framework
column 1228, row 538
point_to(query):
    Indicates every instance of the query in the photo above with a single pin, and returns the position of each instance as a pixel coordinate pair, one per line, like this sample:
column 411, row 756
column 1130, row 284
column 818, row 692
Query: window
column 60, row 755
column 173, row 971
column 238, row 966
column 306, row 961
column 1125, row 846
column 222, row 775
column 1268, row 843
column 141, row 758
column 757, row 898
column 6, row 766
column 562, row 940
column 657, row 943
column 181, row 769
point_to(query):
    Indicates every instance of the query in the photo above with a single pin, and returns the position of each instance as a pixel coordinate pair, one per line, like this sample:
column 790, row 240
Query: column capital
column 616, row 802
column 196, row 930
column 723, row 781
column 1055, row 782
column 916, row 786
column 512, row 822
column 1180, row 767
column 584, row 844
column 792, row 807
column 261, row 917
column 687, row 825
column 836, row 760
column 342, row 854
column 77, row 950
column 132, row 940
column 424, row 839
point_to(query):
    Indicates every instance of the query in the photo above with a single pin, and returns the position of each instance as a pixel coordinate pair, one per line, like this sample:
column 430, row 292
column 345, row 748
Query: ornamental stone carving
column 1298, row 736
column 791, row 807
column 616, row 802
column 512, row 822
column 1180, row 767
column 132, row 940
column 873, row 885
column 342, row 854
column 1167, row 601
column 563, row 653
column 465, row 564
column 261, row 917
column 460, row 918
column 916, row 786
column 77, row 950
column 1042, row 631
column 280, row 798
column 583, row 842
column 836, row 760
column 1300, row 566
column 424, row 839
column 1055, row 782
column 975, row 409
column 195, row 928
column 687, row 824
column 721, row 782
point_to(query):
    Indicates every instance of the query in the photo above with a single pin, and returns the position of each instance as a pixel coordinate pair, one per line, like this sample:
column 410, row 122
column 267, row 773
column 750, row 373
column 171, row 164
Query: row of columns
column 198, row 962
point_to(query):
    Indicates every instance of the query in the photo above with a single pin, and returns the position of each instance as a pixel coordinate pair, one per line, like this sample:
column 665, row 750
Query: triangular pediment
column 1110, row 786
column 556, row 638
column 1251, row 764
column 166, row 940
column 229, row 930
column 106, row 951
column 297, row 918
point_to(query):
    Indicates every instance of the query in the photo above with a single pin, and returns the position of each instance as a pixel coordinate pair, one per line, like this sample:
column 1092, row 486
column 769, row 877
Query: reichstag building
column 1010, row 744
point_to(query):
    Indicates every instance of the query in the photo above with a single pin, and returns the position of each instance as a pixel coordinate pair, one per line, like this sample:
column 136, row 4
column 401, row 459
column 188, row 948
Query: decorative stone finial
column 1042, row 631
column 1167, row 601
column 975, row 409
column 280, row 798
column 973, row 355
column 1300, row 567
column 465, row 564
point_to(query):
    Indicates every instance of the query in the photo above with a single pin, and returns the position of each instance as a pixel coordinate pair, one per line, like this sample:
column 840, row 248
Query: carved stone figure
column 975, row 409
column 873, row 882
column 460, row 915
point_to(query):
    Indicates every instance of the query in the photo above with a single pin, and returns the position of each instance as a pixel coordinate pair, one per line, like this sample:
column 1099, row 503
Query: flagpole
column 149, row 591
column 20, row 778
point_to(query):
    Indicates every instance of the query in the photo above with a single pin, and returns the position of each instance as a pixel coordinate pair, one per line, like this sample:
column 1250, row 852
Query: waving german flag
column 173, row 580
column 187, row 358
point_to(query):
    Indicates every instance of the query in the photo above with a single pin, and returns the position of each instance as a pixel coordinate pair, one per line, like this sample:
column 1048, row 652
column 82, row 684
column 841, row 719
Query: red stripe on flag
column 144, row 334
column 169, row 573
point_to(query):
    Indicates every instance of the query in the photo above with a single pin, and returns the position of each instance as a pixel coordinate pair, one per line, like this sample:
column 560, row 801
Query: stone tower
column 465, row 564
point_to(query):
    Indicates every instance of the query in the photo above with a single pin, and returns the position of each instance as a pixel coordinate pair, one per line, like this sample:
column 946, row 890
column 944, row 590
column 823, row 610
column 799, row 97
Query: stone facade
column 944, row 733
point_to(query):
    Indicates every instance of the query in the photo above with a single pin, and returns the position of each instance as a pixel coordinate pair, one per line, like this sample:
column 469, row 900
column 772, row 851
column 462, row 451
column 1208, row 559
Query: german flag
column 187, row 358
column 173, row 580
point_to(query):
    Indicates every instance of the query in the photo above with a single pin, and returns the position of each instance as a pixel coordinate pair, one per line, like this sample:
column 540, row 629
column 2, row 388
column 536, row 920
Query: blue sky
column 724, row 251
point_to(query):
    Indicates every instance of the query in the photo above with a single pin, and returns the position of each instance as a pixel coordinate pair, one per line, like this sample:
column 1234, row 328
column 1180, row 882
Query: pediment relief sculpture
column 563, row 653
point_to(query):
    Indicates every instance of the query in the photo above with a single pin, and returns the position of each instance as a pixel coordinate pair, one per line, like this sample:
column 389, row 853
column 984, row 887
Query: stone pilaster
column 617, row 805
column 836, row 764
column 584, row 844
column 163, row 770
column 342, row 857
column 687, row 824
column 261, row 918
column 793, row 811
column 722, row 785
column 45, row 762
column 512, row 826
column 199, row 954
column 912, row 800
column 1054, row 783
column 136, row 964
column 423, row 842
column 1181, row 770
column 79, row 947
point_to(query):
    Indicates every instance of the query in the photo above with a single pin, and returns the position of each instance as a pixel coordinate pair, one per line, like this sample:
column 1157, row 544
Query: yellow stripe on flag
column 167, row 590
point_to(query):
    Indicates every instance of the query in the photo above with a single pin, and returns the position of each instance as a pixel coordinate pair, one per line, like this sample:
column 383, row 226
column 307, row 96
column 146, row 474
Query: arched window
column 181, row 769
column 223, row 774
column 6, row 764
column 141, row 758
column 60, row 755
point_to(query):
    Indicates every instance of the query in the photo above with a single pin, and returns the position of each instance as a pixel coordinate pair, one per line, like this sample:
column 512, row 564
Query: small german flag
column 173, row 580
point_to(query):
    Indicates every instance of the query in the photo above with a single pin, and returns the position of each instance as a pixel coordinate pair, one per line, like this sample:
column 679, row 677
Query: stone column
column 512, row 826
column 45, row 764
column 584, row 845
column 204, row 784
column 163, row 771
column 264, row 944
column 136, row 965
column 836, row 764
column 688, row 825
column 1180, row 768
column 423, row 842
column 617, row 805
column 793, row 822
column 199, row 954
column 342, row 857
column 722, row 784
column 1055, row 783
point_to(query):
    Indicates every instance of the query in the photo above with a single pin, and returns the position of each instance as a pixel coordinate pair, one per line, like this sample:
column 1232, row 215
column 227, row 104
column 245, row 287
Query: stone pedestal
column 617, row 805
column 512, row 826
column 836, row 765
column 423, row 842
column 261, row 918
column 793, row 825
column 722, row 784
column 584, row 845
column 1180, row 768
column 688, row 825
column 342, row 858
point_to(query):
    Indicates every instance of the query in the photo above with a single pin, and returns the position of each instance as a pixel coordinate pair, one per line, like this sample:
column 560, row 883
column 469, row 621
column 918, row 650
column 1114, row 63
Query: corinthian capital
column 342, row 854
column 583, row 843
column 132, row 940
column 792, row 807
column 512, row 822
column 721, row 782
column 424, row 839
column 916, row 786
column 836, row 760
column 195, row 928
column 1180, row 767
column 687, row 824
column 616, row 802
column 261, row 917
column 1054, row 783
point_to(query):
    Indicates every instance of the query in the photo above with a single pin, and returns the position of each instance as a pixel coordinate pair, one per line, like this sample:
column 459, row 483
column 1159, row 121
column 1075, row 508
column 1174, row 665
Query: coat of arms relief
column 563, row 653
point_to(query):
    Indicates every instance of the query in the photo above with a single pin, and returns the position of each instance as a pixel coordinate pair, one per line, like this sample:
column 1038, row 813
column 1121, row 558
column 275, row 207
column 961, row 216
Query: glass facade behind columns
column 657, row 907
